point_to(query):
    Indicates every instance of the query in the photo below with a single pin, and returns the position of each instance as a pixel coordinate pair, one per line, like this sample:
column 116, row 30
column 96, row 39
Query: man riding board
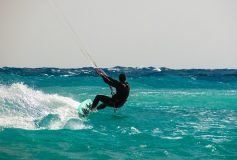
column 119, row 98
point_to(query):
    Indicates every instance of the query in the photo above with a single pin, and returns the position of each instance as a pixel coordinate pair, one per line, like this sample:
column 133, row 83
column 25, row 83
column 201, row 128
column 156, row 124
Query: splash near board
column 84, row 108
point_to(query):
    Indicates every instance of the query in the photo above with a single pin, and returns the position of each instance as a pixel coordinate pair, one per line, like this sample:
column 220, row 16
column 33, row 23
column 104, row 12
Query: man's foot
column 89, row 106
column 85, row 111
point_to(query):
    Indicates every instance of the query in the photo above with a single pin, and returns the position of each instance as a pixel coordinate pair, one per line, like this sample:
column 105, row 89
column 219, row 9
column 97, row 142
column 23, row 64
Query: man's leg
column 95, row 102
column 101, row 98
column 101, row 106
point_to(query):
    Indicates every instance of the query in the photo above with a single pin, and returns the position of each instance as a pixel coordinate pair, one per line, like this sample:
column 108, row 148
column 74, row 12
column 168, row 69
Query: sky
column 159, row 33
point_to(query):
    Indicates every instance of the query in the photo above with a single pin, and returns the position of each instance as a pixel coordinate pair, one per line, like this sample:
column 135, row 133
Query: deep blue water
column 170, row 114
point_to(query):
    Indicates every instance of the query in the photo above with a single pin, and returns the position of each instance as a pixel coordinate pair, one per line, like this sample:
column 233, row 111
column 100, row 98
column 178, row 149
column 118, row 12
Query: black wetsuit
column 117, row 100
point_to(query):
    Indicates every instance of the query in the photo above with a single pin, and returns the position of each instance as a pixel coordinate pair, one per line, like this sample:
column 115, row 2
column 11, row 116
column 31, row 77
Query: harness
column 116, row 107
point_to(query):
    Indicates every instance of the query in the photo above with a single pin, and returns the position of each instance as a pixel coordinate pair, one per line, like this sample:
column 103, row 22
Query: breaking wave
column 27, row 108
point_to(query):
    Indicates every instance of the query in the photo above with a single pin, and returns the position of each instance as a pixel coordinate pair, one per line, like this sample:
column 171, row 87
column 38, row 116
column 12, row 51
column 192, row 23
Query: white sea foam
column 171, row 138
column 27, row 108
column 114, row 69
column 157, row 69
column 134, row 131
column 211, row 147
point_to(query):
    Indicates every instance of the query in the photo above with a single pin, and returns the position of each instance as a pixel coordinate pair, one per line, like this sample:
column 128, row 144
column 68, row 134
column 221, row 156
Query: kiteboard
column 84, row 107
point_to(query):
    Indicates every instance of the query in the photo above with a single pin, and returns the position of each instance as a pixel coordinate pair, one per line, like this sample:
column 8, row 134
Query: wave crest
column 24, row 107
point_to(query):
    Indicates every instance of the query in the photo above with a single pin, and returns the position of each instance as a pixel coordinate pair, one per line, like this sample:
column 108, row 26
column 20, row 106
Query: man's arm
column 110, row 81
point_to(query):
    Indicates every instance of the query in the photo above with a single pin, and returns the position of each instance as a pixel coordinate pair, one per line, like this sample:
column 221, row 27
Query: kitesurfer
column 119, row 98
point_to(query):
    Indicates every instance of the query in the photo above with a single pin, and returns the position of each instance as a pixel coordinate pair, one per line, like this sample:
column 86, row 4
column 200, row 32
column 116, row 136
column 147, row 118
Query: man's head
column 122, row 77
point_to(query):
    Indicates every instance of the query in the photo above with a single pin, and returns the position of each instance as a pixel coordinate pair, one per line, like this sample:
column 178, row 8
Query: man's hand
column 99, row 72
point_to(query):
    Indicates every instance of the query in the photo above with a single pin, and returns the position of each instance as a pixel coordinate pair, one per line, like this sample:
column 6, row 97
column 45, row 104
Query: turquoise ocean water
column 170, row 114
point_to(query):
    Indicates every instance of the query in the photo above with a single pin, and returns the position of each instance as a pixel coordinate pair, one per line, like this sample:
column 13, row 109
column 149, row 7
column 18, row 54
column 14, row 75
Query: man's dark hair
column 122, row 77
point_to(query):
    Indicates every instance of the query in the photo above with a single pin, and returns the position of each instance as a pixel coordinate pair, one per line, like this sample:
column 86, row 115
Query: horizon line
column 158, row 68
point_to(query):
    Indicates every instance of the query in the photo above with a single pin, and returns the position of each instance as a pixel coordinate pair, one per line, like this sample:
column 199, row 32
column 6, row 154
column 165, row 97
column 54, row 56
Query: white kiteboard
column 84, row 107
